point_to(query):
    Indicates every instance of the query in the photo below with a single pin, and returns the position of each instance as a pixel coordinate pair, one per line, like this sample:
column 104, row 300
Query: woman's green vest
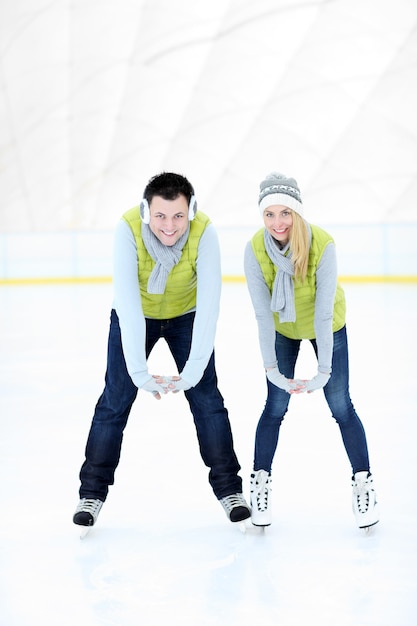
column 304, row 292
column 181, row 288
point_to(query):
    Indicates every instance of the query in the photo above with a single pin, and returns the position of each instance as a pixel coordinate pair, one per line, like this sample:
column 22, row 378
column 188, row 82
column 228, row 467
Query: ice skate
column 86, row 514
column 364, row 504
column 236, row 508
column 260, row 498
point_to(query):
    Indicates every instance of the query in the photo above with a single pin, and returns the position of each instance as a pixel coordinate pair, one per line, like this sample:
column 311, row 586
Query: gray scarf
column 165, row 257
column 282, row 299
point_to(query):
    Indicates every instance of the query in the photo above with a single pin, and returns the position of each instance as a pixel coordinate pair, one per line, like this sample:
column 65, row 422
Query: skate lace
column 87, row 505
column 261, row 487
column 362, row 497
column 233, row 501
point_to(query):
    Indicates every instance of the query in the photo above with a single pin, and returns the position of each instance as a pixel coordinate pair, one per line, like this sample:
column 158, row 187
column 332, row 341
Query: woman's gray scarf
column 282, row 299
column 165, row 257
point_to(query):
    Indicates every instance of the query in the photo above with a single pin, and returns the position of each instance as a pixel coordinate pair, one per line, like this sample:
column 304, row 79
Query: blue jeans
column 336, row 393
column 114, row 405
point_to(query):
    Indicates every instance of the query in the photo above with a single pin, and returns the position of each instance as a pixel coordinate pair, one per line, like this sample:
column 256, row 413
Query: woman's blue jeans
column 114, row 405
column 336, row 393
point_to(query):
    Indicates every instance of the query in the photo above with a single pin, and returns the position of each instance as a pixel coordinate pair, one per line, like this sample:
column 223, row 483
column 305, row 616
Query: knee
column 344, row 412
column 276, row 404
column 274, row 413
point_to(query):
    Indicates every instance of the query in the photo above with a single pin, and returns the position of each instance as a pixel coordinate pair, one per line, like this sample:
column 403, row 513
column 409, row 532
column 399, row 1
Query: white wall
column 97, row 96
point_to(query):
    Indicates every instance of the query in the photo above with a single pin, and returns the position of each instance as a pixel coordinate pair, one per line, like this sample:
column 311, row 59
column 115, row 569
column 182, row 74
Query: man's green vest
column 304, row 292
column 181, row 288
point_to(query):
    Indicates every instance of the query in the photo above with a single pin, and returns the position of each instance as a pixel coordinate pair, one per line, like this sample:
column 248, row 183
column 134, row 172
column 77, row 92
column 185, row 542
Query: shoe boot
column 87, row 512
column 260, row 498
column 236, row 507
column 364, row 504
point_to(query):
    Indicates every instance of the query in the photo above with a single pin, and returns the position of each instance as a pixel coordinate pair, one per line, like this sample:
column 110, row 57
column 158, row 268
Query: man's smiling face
column 169, row 218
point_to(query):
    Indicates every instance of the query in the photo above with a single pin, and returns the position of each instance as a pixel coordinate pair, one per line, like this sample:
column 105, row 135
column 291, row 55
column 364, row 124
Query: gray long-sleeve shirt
column 128, row 305
column 326, row 283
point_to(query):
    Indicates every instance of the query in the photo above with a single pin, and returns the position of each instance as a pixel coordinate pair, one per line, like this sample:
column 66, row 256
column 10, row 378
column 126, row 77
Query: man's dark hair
column 169, row 186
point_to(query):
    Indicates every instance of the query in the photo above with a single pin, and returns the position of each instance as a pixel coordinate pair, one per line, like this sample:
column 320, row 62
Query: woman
column 291, row 272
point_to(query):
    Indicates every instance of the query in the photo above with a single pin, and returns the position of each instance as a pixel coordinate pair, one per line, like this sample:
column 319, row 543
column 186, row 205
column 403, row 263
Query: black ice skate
column 86, row 513
column 236, row 508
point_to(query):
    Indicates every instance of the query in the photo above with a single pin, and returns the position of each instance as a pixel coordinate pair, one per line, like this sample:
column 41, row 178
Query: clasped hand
column 293, row 386
column 158, row 385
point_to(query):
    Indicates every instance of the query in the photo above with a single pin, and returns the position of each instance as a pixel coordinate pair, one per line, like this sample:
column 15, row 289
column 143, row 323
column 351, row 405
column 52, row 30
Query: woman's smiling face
column 278, row 222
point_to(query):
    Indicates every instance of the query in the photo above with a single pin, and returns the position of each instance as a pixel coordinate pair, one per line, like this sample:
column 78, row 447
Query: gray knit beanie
column 278, row 189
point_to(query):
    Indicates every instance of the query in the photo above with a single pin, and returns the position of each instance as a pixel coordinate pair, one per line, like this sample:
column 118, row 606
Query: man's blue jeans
column 114, row 405
column 336, row 393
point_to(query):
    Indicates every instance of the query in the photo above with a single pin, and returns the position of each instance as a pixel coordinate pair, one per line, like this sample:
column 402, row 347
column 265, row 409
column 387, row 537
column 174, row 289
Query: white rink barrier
column 370, row 250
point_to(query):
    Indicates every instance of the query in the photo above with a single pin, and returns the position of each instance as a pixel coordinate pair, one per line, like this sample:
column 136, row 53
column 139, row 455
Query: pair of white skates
column 364, row 503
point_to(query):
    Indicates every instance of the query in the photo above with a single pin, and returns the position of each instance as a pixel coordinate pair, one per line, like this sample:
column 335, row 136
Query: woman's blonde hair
column 299, row 246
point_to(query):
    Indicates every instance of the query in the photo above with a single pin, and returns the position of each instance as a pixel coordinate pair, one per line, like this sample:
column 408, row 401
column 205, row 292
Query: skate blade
column 368, row 530
column 242, row 526
column 84, row 530
column 261, row 527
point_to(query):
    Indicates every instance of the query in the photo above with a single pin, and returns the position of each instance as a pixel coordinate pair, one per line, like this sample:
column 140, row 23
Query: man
column 167, row 283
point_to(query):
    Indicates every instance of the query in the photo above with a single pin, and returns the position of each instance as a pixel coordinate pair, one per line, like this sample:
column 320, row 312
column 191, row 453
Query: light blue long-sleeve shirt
column 326, row 283
column 128, row 305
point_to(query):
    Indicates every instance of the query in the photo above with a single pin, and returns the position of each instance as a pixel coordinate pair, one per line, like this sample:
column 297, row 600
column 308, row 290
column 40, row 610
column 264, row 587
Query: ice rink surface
column 163, row 551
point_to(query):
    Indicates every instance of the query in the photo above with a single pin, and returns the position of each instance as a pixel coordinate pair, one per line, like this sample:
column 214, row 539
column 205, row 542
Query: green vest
column 304, row 292
column 181, row 288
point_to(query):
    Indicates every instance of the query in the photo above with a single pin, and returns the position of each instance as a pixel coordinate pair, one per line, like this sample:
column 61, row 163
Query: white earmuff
column 192, row 208
column 144, row 211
